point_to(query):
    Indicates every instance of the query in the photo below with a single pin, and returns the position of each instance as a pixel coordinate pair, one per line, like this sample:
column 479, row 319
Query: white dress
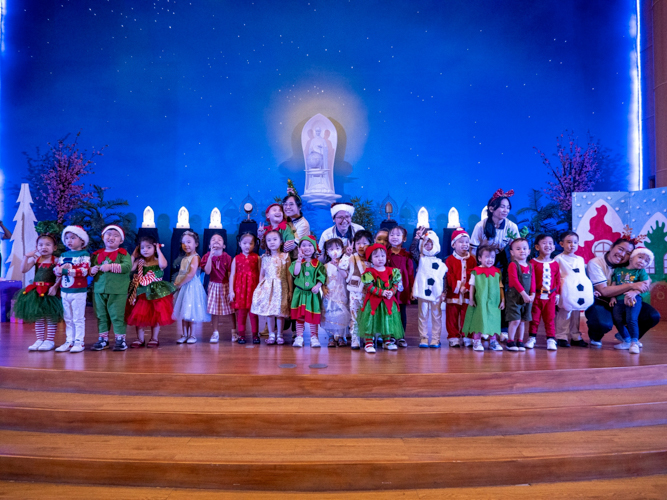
column 190, row 302
column 335, row 305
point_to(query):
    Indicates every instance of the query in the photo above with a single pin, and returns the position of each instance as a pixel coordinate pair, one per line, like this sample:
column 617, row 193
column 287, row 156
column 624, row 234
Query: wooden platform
column 231, row 417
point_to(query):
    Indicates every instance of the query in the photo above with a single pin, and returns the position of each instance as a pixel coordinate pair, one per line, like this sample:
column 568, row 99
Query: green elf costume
column 110, row 289
column 380, row 315
column 306, row 303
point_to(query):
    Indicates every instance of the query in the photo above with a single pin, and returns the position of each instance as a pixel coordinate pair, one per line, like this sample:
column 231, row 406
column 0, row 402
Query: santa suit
column 458, row 277
column 547, row 282
column 428, row 288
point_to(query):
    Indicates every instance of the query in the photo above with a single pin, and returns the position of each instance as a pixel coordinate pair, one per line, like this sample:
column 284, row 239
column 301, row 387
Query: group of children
column 364, row 288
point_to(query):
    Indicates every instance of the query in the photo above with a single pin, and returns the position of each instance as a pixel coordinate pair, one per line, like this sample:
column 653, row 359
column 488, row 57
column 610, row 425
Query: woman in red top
column 399, row 258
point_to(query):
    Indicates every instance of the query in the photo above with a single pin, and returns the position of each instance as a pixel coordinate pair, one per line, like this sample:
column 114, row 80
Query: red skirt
column 148, row 313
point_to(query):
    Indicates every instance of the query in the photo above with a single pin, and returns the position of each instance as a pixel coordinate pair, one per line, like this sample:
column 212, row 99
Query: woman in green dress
column 487, row 299
column 380, row 315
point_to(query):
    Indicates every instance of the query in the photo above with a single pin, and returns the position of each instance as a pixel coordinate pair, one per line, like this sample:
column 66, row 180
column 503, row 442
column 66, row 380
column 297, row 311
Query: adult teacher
column 496, row 230
column 600, row 270
column 343, row 227
column 292, row 207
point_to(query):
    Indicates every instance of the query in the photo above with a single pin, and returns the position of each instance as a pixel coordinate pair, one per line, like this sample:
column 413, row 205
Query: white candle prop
column 453, row 220
column 422, row 218
column 216, row 219
column 183, row 219
column 149, row 218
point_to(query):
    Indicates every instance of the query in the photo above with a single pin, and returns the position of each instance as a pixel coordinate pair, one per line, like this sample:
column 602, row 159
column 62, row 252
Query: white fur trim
column 644, row 251
column 117, row 228
column 78, row 231
column 341, row 207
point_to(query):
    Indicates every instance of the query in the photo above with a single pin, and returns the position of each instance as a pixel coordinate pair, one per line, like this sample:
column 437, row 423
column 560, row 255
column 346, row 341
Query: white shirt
column 331, row 233
column 301, row 227
column 599, row 271
column 501, row 240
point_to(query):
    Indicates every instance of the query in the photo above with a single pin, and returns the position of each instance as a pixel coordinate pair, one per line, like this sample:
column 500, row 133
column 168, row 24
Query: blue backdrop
column 201, row 103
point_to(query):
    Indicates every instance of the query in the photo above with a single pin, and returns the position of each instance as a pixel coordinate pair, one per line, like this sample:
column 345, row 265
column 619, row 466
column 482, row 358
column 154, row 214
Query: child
column 382, row 237
column 487, row 299
column 309, row 276
column 379, row 316
column 243, row 280
column 429, row 285
column 335, row 304
column 272, row 296
column 275, row 217
column 626, row 309
column 355, row 287
column 74, row 266
column 520, row 293
column 190, row 302
column 576, row 292
column 547, row 285
column 150, row 303
column 401, row 259
column 459, row 266
column 111, row 268
column 218, row 265
column 38, row 302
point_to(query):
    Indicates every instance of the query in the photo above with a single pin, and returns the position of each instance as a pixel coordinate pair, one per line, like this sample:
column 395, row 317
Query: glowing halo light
column 292, row 105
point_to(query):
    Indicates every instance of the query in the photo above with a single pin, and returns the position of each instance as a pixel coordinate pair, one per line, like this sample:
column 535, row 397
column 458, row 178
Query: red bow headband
column 627, row 236
column 502, row 194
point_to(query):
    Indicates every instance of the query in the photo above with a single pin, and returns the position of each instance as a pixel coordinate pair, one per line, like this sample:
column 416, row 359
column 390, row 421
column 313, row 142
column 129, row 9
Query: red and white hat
column 643, row 251
column 310, row 239
column 459, row 233
column 117, row 228
column 78, row 231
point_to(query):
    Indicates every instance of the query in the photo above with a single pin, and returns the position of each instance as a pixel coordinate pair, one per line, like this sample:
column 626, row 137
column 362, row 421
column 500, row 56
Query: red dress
column 404, row 263
column 246, row 279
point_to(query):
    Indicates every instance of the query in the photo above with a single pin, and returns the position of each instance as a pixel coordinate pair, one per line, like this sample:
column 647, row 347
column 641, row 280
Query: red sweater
column 404, row 263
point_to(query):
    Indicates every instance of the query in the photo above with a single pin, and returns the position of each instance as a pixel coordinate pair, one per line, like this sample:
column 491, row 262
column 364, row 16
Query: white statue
column 183, row 219
column 149, row 218
column 216, row 219
column 319, row 140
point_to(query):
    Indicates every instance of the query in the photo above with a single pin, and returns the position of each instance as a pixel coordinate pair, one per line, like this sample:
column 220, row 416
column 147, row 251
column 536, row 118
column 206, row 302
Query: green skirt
column 30, row 307
column 381, row 323
column 157, row 290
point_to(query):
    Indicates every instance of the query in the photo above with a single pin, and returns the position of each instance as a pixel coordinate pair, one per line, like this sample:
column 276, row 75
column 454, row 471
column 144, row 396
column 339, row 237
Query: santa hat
column 373, row 248
column 430, row 235
column 342, row 207
column 311, row 239
column 266, row 212
column 78, row 231
column 458, row 233
column 643, row 251
column 117, row 228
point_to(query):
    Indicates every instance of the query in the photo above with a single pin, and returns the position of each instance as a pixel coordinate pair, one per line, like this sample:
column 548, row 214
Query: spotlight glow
column 635, row 153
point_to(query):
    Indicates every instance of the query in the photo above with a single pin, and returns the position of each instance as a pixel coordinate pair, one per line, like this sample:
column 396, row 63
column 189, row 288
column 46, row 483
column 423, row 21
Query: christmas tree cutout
column 24, row 238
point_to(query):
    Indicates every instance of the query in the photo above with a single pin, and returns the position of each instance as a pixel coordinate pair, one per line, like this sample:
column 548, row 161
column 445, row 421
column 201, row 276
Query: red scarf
column 374, row 299
column 487, row 271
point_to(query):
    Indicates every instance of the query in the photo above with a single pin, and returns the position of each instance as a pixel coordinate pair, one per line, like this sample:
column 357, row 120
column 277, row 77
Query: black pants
column 404, row 315
column 599, row 319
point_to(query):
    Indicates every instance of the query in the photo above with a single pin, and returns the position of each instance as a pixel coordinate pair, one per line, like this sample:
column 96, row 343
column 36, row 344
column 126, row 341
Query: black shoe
column 579, row 343
column 120, row 345
column 255, row 340
column 241, row 340
column 562, row 343
column 101, row 343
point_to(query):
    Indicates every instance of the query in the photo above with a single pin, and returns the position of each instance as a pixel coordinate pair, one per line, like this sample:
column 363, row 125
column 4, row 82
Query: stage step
column 644, row 488
column 332, row 464
column 335, row 417
column 340, row 385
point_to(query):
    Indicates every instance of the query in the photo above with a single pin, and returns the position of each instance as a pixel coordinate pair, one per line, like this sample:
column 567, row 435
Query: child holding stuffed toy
column 243, row 281
column 218, row 265
column 576, row 292
column 335, row 303
column 357, row 267
column 547, row 285
column 272, row 296
column 39, row 301
column 309, row 277
column 150, row 304
column 380, row 317
column 429, row 285
column 487, row 299
column 459, row 267
column 190, row 303
column 111, row 269
column 74, row 266
column 401, row 259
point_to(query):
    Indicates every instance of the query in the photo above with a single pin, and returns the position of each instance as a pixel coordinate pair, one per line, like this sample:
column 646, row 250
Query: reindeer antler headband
column 627, row 236
column 502, row 194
